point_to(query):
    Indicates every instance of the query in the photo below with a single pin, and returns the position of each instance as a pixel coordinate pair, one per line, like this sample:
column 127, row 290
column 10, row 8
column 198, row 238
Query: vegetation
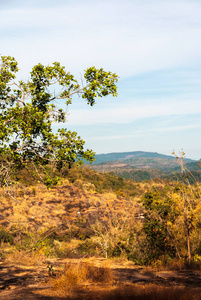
column 141, row 166
column 90, row 214
column 143, row 222
column 125, row 156
column 52, row 207
column 28, row 109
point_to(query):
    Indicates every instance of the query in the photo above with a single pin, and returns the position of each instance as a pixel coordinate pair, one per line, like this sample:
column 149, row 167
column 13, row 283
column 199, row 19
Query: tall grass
column 84, row 281
column 76, row 275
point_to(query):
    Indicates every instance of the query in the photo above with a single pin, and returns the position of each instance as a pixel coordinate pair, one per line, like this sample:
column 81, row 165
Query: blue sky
column 155, row 48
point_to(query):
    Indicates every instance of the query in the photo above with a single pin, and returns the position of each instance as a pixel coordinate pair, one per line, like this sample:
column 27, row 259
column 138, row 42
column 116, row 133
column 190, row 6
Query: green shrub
column 87, row 247
column 5, row 236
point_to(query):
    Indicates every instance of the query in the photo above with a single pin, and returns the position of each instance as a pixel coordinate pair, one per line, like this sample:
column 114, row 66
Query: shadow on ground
column 19, row 282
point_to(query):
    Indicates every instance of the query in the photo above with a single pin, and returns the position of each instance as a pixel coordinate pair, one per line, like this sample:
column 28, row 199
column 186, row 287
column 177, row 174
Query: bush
column 6, row 237
column 75, row 275
column 87, row 247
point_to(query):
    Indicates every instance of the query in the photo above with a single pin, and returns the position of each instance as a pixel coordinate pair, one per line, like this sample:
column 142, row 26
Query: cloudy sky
column 155, row 48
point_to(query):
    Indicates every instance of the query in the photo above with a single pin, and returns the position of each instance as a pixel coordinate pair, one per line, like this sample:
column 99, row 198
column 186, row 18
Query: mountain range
column 141, row 165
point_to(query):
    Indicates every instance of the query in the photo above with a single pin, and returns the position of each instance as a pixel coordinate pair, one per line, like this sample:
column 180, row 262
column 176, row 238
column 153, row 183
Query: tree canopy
column 28, row 109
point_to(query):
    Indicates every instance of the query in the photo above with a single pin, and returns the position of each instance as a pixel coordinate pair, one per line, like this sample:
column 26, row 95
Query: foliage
column 119, row 236
column 161, row 213
column 6, row 236
column 28, row 109
column 143, row 222
column 103, row 182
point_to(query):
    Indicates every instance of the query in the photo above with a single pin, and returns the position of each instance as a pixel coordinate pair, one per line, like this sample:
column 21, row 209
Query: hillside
column 139, row 165
column 116, row 156
column 75, row 205
column 58, row 240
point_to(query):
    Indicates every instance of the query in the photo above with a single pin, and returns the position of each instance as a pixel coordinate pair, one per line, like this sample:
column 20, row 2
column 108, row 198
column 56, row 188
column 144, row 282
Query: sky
column 155, row 48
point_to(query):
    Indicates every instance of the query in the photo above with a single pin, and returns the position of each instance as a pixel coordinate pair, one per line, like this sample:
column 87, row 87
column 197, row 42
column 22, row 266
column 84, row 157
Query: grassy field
column 96, row 236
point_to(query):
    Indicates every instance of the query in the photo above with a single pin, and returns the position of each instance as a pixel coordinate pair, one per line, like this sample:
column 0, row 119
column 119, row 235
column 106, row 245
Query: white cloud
column 134, row 111
column 128, row 37
column 146, row 132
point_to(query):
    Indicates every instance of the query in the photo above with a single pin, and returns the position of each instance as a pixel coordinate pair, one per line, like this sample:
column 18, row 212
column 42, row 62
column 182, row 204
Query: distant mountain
column 139, row 165
column 102, row 158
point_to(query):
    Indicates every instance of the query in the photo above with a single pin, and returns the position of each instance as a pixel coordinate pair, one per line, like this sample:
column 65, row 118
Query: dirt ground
column 26, row 283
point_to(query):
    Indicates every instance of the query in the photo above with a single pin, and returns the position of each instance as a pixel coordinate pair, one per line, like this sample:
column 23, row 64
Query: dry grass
column 26, row 258
column 76, row 276
column 86, row 282
column 149, row 292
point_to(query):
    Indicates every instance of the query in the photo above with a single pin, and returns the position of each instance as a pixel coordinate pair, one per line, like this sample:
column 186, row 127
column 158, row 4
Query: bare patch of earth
column 28, row 282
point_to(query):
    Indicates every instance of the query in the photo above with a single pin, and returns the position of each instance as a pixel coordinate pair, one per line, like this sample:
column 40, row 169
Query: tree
column 160, row 213
column 186, row 207
column 28, row 109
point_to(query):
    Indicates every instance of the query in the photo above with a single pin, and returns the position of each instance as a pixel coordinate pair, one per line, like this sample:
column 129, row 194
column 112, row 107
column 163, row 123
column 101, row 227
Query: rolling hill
column 140, row 165
column 116, row 156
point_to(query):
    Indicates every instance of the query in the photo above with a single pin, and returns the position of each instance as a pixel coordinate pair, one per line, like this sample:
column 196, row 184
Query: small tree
column 180, row 160
column 160, row 209
column 119, row 235
column 28, row 108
